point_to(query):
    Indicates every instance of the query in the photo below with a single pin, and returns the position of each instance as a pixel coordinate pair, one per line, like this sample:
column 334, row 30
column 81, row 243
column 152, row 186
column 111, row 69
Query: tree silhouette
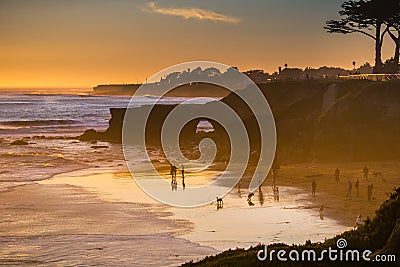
column 394, row 33
column 368, row 18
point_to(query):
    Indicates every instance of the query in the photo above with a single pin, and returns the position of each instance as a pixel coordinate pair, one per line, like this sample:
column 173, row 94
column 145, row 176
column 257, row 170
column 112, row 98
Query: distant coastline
column 186, row 90
column 115, row 89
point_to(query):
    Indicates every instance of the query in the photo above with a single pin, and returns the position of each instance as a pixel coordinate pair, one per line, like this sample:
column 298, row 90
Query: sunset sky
column 81, row 43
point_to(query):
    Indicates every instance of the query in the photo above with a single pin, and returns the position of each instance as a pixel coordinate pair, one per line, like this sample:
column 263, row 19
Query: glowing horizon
column 80, row 44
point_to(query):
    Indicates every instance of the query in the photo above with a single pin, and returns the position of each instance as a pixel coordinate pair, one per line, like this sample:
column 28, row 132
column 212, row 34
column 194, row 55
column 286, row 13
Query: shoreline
column 48, row 223
column 106, row 199
column 333, row 196
column 210, row 229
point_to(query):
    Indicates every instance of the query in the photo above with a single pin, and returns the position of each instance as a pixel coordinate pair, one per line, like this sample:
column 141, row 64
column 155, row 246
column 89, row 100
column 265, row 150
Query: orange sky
column 54, row 43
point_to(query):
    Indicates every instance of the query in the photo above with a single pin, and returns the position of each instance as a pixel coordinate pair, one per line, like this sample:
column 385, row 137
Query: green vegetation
column 373, row 235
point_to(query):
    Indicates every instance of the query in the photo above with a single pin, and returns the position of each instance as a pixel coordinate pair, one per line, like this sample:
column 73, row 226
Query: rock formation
column 316, row 120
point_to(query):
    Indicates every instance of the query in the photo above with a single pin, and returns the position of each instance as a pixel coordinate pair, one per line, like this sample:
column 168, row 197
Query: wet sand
column 236, row 225
column 67, row 225
column 100, row 216
column 334, row 196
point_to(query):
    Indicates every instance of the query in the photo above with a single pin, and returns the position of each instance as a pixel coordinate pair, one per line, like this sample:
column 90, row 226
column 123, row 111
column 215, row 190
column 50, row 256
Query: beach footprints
column 241, row 134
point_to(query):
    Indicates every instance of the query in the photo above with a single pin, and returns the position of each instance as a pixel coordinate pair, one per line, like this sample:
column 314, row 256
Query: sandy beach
column 334, row 196
column 101, row 214
column 67, row 225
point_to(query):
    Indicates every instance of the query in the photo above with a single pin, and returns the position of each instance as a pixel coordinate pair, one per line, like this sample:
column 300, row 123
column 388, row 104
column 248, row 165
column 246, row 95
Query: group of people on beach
column 174, row 182
column 370, row 187
column 365, row 171
column 275, row 189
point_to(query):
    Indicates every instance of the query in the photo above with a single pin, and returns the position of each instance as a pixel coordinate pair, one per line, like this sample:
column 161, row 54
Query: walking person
column 277, row 194
column 183, row 177
column 349, row 189
column 260, row 196
column 365, row 171
column 313, row 186
column 357, row 185
column 370, row 187
column 174, row 172
column 337, row 175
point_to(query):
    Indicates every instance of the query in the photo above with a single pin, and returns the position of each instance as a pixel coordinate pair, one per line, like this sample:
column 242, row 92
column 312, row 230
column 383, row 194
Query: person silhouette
column 357, row 185
column 174, row 171
column 370, row 187
column 337, row 175
column 365, row 171
column 349, row 188
column 277, row 194
column 260, row 196
column 183, row 177
column 313, row 187
column 321, row 212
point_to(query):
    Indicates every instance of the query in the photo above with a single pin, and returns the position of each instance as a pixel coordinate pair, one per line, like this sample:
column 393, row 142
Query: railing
column 372, row 77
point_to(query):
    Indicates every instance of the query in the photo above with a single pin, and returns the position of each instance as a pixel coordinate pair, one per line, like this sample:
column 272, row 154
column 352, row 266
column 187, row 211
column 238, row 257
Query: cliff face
column 334, row 120
column 362, row 125
column 323, row 120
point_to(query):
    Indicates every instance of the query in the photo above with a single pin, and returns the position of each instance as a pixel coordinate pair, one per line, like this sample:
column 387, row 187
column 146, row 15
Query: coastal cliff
column 115, row 89
column 186, row 90
column 316, row 120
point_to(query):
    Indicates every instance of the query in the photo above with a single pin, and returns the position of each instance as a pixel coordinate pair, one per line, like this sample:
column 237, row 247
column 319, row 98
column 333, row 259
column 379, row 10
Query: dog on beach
column 220, row 203
column 377, row 174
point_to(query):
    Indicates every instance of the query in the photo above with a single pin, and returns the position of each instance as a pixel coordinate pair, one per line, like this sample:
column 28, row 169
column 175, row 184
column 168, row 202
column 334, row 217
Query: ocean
column 51, row 124
column 63, row 115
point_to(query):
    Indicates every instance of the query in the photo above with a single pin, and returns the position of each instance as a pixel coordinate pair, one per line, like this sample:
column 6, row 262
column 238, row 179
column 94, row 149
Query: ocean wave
column 30, row 123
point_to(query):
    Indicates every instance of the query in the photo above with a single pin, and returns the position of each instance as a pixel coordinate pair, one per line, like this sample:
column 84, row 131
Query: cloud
column 191, row 13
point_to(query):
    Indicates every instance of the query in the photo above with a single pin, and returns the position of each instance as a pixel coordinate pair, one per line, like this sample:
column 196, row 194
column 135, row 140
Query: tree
column 393, row 23
column 395, row 35
column 365, row 68
column 365, row 17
